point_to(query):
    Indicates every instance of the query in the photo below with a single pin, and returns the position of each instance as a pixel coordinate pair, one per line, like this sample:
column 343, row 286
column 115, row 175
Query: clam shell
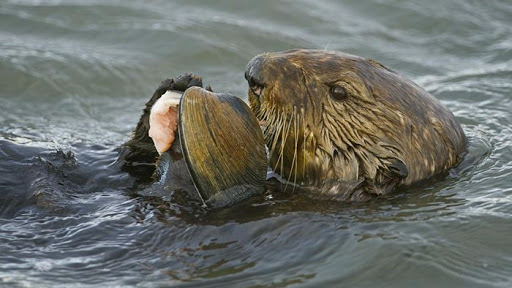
column 223, row 146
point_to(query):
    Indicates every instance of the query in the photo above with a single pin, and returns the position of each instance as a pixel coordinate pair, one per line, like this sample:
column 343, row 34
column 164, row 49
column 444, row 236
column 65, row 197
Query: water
column 75, row 74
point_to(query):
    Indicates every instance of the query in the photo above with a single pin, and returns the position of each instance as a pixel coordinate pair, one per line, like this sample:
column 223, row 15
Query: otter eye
column 338, row 92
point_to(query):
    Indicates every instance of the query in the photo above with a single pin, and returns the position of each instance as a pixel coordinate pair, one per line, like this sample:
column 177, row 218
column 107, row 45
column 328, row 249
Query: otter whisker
column 273, row 126
column 284, row 135
column 295, row 156
column 283, row 143
column 303, row 142
column 274, row 136
column 294, row 159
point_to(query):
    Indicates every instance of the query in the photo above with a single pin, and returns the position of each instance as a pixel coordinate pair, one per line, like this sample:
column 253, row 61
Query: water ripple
column 75, row 75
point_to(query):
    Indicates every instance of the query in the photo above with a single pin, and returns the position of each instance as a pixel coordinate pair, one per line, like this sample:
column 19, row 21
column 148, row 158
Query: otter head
column 334, row 116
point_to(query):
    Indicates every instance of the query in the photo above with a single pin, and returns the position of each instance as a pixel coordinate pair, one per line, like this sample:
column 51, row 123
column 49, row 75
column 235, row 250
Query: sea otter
column 334, row 120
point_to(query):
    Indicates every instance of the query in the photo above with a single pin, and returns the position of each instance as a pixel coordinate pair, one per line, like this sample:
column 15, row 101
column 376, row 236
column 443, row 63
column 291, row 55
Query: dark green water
column 75, row 74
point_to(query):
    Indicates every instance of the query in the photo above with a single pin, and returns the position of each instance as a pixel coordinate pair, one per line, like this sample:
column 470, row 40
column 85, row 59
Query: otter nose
column 253, row 75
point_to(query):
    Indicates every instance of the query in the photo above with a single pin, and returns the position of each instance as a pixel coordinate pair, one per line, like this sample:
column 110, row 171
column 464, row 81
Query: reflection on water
column 75, row 74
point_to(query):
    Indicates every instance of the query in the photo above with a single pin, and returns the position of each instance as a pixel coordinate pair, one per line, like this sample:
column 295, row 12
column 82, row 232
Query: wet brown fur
column 388, row 132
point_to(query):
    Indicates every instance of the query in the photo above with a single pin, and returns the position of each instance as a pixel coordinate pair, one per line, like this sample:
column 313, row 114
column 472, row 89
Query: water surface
column 74, row 76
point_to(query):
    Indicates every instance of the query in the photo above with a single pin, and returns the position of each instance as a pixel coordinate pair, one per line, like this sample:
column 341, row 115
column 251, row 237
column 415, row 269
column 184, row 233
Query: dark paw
column 185, row 81
column 181, row 83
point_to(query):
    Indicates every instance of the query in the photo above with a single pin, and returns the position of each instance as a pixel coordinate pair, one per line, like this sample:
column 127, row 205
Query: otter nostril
column 257, row 89
column 255, row 86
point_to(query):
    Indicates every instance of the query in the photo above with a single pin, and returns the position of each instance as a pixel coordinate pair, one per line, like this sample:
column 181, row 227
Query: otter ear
column 398, row 169
column 163, row 121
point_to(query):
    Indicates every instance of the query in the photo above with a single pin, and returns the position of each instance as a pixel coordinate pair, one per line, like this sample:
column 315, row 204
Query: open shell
column 223, row 146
